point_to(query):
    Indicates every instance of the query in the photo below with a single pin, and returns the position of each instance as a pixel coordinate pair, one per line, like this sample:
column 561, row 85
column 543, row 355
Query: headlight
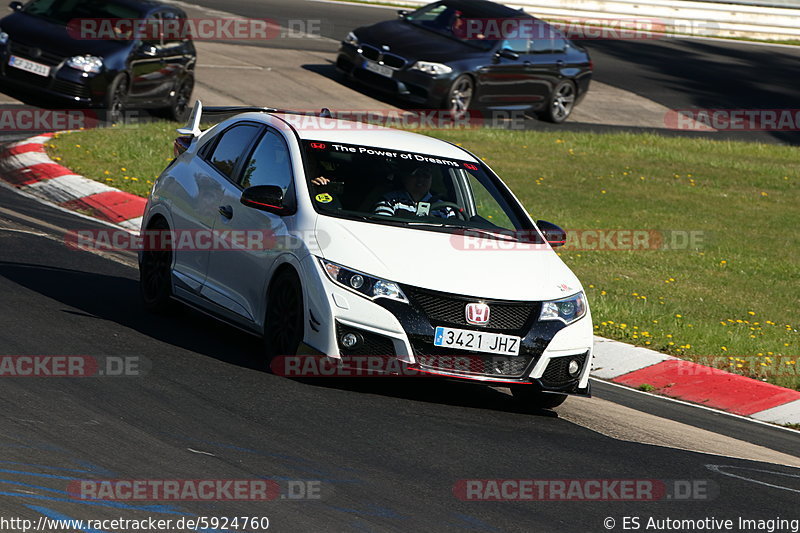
column 86, row 63
column 3, row 37
column 351, row 39
column 363, row 284
column 567, row 310
column 431, row 68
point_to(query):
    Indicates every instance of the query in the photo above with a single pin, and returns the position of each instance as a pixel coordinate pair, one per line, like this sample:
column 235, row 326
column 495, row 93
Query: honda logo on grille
column 477, row 314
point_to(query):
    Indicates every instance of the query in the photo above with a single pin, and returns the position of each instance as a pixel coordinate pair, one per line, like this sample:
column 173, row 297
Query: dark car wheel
column 178, row 109
column 155, row 271
column 531, row 397
column 561, row 102
column 116, row 99
column 283, row 327
column 459, row 97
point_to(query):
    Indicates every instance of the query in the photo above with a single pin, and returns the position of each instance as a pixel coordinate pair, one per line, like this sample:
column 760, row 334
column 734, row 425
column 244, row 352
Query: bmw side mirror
column 15, row 6
column 505, row 53
column 265, row 198
column 553, row 234
column 401, row 13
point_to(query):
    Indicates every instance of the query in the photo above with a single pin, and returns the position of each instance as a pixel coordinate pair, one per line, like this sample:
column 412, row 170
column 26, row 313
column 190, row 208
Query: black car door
column 505, row 80
column 545, row 61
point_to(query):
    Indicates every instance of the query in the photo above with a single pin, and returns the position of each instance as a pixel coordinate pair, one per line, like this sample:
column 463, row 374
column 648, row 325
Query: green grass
column 731, row 302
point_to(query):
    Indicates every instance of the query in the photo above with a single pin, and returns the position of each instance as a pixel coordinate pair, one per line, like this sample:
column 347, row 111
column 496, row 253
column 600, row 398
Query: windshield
column 449, row 21
column 411, row 189
column 61, row 12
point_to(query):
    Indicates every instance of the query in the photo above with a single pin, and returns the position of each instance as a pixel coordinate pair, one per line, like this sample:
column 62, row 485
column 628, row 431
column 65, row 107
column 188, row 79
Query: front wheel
column 116, row 99
column 530, row 396
column 561, row 102
column 283, row 327
column 459, row 97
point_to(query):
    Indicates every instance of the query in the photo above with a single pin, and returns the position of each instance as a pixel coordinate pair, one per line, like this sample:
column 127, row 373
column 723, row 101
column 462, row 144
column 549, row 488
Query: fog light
column 574, row 367
column 348, row 340
column 357, row 281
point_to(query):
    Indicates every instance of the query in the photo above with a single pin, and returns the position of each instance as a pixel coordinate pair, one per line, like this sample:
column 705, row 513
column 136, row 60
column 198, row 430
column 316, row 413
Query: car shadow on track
column 88, row 297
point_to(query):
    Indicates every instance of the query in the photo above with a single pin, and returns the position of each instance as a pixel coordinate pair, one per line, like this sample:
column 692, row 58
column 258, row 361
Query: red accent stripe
column 24, row 149
column 709, row 386
column 36, row 173
column 113, row 206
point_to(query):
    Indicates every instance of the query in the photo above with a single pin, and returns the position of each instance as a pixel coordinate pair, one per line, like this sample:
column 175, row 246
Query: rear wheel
column 178, row 109
column 530, row 396
column 561, row 102
column 283, row 327
column 155, row 269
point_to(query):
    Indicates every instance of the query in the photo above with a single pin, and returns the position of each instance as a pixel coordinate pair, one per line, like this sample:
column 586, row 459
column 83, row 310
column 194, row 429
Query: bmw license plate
column 29, row 66
column 377, row 68
column 476, row 341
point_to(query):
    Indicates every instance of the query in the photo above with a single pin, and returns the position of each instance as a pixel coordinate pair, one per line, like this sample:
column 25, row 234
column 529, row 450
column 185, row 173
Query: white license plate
column 377, row 68
column 29, row 66
column 477, row 341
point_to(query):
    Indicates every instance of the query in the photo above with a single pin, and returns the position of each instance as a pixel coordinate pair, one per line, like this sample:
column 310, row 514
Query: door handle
column 226, row 211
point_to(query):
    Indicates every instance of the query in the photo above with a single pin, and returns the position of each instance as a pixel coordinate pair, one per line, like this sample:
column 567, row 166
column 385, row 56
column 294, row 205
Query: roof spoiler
column 193, row 125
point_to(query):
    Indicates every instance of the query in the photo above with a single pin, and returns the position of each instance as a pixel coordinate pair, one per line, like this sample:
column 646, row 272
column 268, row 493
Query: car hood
column 415, row 43
column 34, row 31
column 438, row 261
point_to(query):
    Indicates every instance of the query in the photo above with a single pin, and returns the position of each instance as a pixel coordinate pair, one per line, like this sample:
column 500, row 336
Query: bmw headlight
column 363, row 284
column 351, row 39
column 92, row 64
column 567, row 310
column 3, row 37
column 431, row 68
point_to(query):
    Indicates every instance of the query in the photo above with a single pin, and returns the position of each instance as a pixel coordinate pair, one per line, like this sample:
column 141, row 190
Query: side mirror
column 15, row 6
column 508, row 54
column 147, row 49
column 553, row 234
column 267, row 198
column 401, row 13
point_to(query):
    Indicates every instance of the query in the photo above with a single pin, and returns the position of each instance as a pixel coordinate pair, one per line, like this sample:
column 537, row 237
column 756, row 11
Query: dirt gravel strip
column 25, row 165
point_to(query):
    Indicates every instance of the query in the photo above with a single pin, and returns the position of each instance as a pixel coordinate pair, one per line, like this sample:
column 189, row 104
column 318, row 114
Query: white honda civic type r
column 337, row 240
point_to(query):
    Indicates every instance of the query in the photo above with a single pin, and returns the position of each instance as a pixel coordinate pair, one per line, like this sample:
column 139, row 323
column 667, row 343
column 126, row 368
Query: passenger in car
column 415, row 198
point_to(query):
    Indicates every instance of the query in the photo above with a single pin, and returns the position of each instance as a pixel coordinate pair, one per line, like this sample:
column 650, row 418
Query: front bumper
column 410, row 85
column 390, row 330
column 63, row 84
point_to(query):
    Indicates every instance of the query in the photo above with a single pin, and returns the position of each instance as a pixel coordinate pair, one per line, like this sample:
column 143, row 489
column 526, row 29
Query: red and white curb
column 670, row 376
column 27, row 167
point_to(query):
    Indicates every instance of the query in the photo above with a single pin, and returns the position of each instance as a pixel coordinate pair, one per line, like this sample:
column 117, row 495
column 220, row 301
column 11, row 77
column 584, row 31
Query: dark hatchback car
column 451, row 55
column 45, row 54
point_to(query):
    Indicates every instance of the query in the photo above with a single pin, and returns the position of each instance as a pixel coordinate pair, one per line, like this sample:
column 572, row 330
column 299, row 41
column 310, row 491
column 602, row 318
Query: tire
column 155, row 273
column 531, row 397
column 284, row 317
column 116, row 98
column 561, row 102
column 179, row 107
column 460, row 96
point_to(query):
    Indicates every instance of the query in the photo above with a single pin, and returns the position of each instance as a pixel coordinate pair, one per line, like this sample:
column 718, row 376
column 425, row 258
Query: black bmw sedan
column 46, row 53
column 470, row 54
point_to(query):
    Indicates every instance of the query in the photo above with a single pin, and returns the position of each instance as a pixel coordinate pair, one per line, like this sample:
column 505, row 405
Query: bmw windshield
column 411, row 189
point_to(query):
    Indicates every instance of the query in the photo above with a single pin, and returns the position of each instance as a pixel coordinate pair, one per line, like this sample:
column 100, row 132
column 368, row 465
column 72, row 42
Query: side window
column 486, row 206
column 175, row 28
column 519, row 46
column 154, row 31
column 231, row 148
column 548, row 40
column 269, row 163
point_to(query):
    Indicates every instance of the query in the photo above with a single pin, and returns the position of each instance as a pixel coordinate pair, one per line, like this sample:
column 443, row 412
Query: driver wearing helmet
column 415, row 198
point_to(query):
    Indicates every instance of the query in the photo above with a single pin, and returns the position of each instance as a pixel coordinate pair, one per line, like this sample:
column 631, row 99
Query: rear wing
column 192, row 127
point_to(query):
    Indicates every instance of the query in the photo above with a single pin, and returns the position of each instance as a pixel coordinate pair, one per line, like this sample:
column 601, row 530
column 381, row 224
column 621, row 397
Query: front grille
column 72, row 89
column 555, row 375
column 443, row 308
column 373, row 344
column 388, row 59
column 462, row 362
column 36, row 54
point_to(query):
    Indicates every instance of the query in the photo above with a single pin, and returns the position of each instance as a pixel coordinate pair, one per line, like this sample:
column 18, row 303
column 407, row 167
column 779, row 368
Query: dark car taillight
column 181, row 144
